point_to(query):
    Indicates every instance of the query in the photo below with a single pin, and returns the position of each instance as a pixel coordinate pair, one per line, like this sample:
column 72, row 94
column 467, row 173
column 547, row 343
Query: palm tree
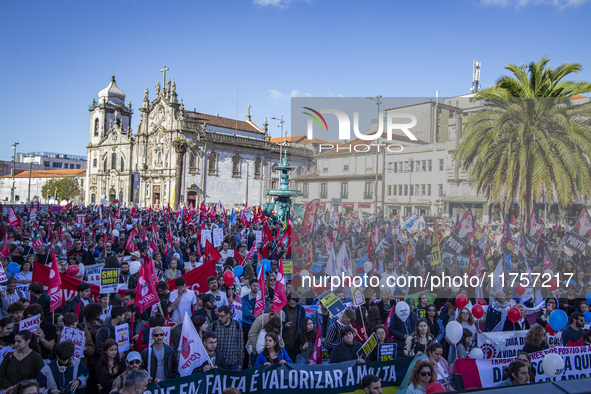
column 180, row 146
column 530, row 140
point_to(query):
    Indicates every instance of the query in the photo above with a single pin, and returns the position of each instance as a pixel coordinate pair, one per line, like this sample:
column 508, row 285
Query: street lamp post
column 13, row 171
column 378, row 102
column 280, row 143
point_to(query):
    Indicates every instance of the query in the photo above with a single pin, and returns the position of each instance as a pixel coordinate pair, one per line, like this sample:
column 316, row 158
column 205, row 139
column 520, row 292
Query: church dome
column 112, row 93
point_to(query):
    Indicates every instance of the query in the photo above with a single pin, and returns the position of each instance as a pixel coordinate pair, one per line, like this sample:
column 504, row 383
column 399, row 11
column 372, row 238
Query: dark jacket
column 112, row 262
column 220, row 362
column 508, row 326
column 398, row 329
column 202, row 312
column 72, row 304
column 44, row 301
column 106, row 382
column 105, row 332
column 85, row 257
column 171, row 364
column 343, row 352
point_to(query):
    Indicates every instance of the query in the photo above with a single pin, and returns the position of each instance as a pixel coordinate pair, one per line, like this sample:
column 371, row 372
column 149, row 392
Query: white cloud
column 560, row 4
column 277, row 95
column 276, row 3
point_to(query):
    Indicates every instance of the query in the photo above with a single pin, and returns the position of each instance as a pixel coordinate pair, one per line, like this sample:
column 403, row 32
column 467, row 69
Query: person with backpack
column 107, row 330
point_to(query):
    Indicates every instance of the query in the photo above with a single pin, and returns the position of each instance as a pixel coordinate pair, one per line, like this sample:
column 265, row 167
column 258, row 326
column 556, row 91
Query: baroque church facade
column 231, row 161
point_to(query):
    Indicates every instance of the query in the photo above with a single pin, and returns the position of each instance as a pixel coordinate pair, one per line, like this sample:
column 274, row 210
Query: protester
column 160, row 359
column 272, row 353
column 65, row 372
column 347, row 349
column 371, row 384
column 24, row 364
column 517, row 374
column 572, row 334
column 133, row 362
column 444, row 372
column 421, row 376
column 464, row 347
column 111, row 365
column 215, row 358
column 230, row 338
column 305, row 341
column 135, row 383
column 417, row 342
column 107, row 330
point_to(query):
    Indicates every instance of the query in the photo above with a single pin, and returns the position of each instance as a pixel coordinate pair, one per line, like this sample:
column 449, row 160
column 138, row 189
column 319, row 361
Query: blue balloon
column 14, row 268
column 267, row 265
column 558, row 320
column 260, row 268
column 588, row 297
column 238, row 271
column 587, row 317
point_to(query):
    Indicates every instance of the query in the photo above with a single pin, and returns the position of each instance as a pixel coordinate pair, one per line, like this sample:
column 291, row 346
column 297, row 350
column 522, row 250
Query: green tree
column 530, row 141
column 67, row 188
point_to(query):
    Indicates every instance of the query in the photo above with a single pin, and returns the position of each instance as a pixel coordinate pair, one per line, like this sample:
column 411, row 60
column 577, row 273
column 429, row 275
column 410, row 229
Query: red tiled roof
column 220, row 121
column 49, row 173
column 301, row 139
column 577, row 96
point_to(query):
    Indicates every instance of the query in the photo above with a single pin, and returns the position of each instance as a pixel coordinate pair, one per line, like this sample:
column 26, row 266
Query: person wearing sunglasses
column 160, row 360
column 133, row 363
column 421, row 377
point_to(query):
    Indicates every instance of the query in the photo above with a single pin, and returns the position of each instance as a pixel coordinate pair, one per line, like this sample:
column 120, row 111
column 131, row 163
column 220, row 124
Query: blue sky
column 57, row 56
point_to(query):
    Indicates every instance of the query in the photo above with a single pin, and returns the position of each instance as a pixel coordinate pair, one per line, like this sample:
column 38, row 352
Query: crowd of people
column 225, row 317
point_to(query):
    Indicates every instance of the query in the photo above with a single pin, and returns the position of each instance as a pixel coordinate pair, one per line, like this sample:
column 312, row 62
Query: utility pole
column 378, row 102
column 13, row 171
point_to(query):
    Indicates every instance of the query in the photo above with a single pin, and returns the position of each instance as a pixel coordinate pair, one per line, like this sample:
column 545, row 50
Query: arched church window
column 114, row 161
column 122, row 165
column 93, row 198
column 105, row 165
column 257, row 168
column 96, row 127
column 236, row 161
column 212, row 163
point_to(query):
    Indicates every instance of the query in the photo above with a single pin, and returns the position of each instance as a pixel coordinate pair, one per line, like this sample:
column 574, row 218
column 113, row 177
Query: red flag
column 547, row 261
column 211, row 254
column 387, row 325
column 130, row 244
column 252, row 251
column 146, row 294
column 243, row 219
column 13, row 220
column 267, row 238
column 5, row 250
column 280, row 298
column 239, row 257
column 316, row 356
column 54, row 285
column 259, row 306
column 310, row 217
column 202, row 207
column 514, row 221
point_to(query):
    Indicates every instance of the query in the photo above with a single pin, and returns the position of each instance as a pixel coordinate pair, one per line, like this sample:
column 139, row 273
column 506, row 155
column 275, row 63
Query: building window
column 212, row 163
column 94, row 163
column 422, row 190
column 105, row 165
column 418, row 166
column 410, row 165
column 429, row 189
column 323, row 190
column 412, row 190
column 440, row 190
column 96, row 127
column 258, row 165
column 368, row 163
column 192, row 162
column 122, row 165
column 236, row 161
column 440, row 164
column 429, row 165
column 424, row 165
column 417, row 190
column 57, row 165
column 406, row 190
column 345, row 167
column 344, row 190
column 114, row 161
column 274, row 184
column 299, row 171
column 389, row 190
column 305, row 190
column 93, row 198
column 400, row 190
column 394, row 191
column 395, row 167
column 78, row 166
column 368, row 190
column 46, row 163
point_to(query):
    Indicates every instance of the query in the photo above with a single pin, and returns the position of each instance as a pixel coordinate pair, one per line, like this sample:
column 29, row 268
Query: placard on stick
column 77, row 337
column 332, row 303
column 109, row 280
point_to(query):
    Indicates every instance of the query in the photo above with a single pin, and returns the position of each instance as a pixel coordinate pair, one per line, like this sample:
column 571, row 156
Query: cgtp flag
column 280, row 298
column 146, row 289
column 316, row 356
column 54, row 285
column 191, row 350
column 13, row 220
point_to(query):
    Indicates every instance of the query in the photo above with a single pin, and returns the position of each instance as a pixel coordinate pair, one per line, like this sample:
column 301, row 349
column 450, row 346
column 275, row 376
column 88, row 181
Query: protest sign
column 332, row 303
column 579, row 236
column 3, row 277
column 77, row 337
column 218, row 236
column 167, row 339
column 4, row 351
column 259, row 236
column 488, row 373
column 387, row 351
column 31, row 324
column 410, row 221
column 122, row 337
column 205, row 236
column 290, row 378
column 368, row 346
column 93, row 273
column 288, row 269
column 109, row 280
column 80, row 219
column 358, row 298
column 506, row 344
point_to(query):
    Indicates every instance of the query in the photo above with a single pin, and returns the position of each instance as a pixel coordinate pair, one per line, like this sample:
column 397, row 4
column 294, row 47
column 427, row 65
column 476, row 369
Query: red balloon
column 549, row 329
column 461, row 301
column 514, row 314
column 228, row 278
column 478, row 311
column 72, row 270
column 435, row 387
column 553, row 285
column 519, row 289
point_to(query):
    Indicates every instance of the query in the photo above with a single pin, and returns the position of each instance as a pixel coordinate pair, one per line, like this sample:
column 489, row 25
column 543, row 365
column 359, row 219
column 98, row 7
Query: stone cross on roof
column 248, row 107
column 164, row 70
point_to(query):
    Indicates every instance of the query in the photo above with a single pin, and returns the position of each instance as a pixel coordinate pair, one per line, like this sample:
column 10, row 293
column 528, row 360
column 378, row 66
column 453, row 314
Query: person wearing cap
column 133, row 363
column 347, row 350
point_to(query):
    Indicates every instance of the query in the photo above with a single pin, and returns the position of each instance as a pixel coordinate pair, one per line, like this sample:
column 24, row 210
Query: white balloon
column 553, row 365
column 304, row 273
column 134, row 267
column 402, row 311
column 476, row 353
column 453, row 332
column 455, row 289
column 367, row 266
column 115, row 233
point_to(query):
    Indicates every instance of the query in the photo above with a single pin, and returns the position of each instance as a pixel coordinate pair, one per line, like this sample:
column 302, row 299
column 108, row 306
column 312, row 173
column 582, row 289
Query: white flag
column 191, row 350
column 497, row 284
column 332, row 267
column 343, row 261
